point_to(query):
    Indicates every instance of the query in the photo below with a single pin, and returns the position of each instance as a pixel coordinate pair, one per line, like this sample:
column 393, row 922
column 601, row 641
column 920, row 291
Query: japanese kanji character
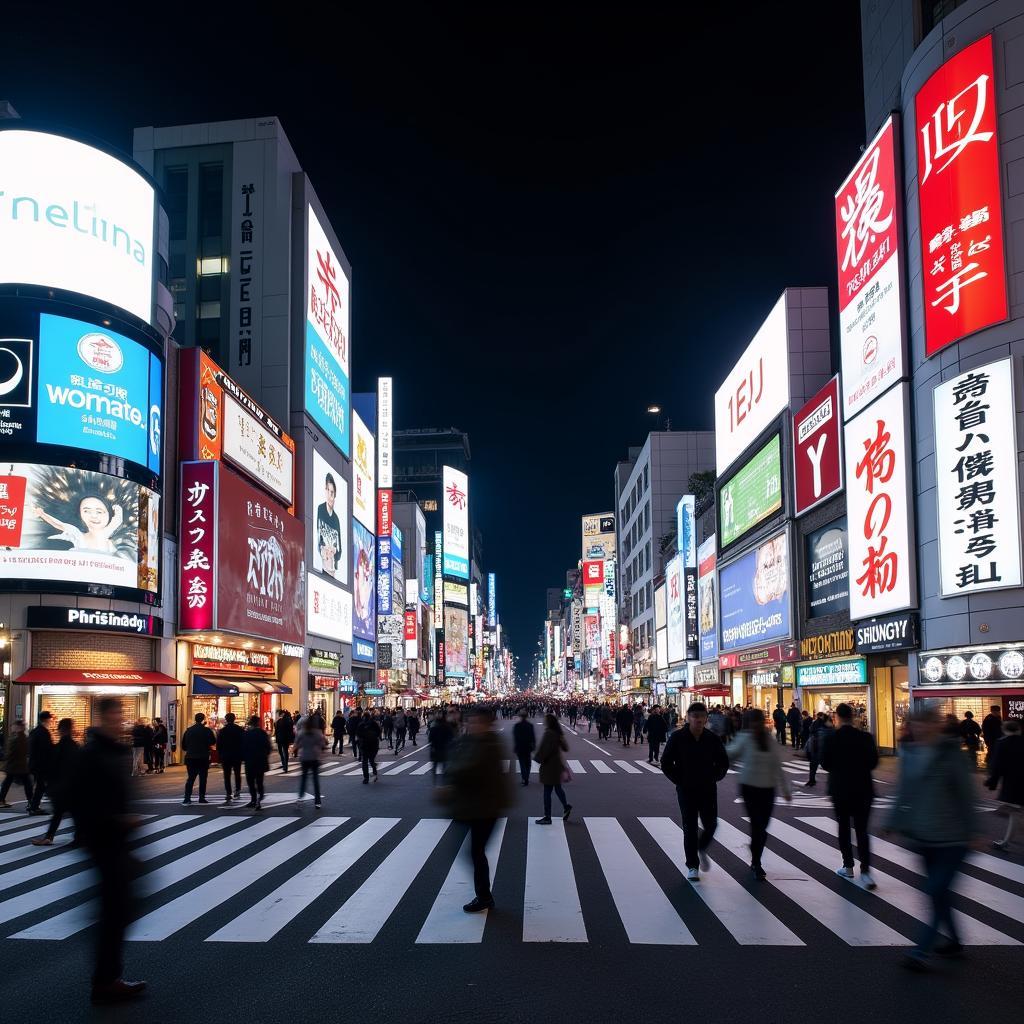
column 981, row 492
column 970, row 575
column 879, row 459
column 981, row 546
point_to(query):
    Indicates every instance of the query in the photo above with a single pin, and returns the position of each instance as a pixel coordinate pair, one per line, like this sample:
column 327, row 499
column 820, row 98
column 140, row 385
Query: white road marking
column 577, row 767
column 398, row 768
column 628, row 768
column 602, row 768
column 366, row 911
column 22, row 837
column 646, row 912
column 447, row 921
column 747, row 920
column 422, row 769
column 551, row 903
column 655, row 768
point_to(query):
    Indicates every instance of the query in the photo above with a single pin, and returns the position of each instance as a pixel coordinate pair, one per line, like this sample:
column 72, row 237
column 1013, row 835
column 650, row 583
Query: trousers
column 310, row 768
column 855, row 812
column 693, row 804
column 524, row 766
column 941, row 866
column 654, row 749
column 369, row 759
column 197, row 768
column 235, row 768
column 479, row 832
column 282, row 753
column 759, row 802
column 254, row 780
column 559, row 792
column 116, row 870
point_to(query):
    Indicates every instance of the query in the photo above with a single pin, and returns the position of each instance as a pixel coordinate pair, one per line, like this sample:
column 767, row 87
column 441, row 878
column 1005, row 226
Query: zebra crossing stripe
column 447, row 922
column 651, row 767
column 18, row 838
column 263, row 921
column 645, row 911
column 897, row 893
column 1002, row 902
column 366, row 911
column 997, row 866
column 423, row 768
column 577, row 767
column 551, row 902
column 748, row 921
column 602, row 768
column 628, row 768
column 21, row 822
column 190, row 906
column 399, row 768
column 854, row 926
column 337, row 769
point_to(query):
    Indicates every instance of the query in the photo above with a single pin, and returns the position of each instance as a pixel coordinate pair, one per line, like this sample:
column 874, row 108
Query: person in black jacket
column 369, row 744
column 656, row 728
column 40, row 750
column 779, row 718
column 355, row 719
column 439, row 735
column 695, row 761
column 100, row 804
column 849, row 755
column 63, row 760
column 970, row 733
column 284, row 737
column 229, row 750
column 795, row 722
column 196, row 743
column 338, row 733
column 1008, row 767
column 524, row 742
column 992, row 732
column 256, row 756
column 160, row 741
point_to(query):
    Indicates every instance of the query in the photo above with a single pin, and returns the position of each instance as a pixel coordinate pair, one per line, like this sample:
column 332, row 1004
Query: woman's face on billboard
column 94, row 513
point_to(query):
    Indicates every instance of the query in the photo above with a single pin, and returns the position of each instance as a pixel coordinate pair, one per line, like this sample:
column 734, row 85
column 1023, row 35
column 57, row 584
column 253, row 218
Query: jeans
column 197, row 767
column 159, row 753
column 654, row 750
column 399, row 739
column 759, row 802
column 941, row 866
column 282, row 753
column 138, row 760
column 780, row 734
column 479, row 832
column 310, row 768
column 339, row 743
column 857, row 812
column 559, row 792
column 524, row 766
column 254, row 780
column 236, row 768
column 23, row 780
column 369, row 761
column 116, row 870
column 694, row 803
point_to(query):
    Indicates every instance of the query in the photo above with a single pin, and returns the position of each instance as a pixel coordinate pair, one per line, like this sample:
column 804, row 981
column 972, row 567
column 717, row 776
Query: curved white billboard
column 75, row 218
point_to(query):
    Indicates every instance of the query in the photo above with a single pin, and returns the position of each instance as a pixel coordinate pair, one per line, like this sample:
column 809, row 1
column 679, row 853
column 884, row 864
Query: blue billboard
column 384, row 557
column 754, row 598
column 427, row 580
column 327, row 392
column 492, row 601
column 99, row 391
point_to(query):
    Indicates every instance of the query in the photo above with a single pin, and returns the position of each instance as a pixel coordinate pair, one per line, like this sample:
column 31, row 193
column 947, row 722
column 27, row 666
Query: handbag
column 567, row 775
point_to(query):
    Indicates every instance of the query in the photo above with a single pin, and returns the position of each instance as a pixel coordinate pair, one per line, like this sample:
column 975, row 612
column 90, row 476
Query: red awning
column 967, row 691
column 74, row 677
column 712, row 691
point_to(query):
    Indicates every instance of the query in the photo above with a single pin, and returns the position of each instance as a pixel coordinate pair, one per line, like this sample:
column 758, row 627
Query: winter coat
column 524, row 737
column 692, row 764
column 1008, row 768
column 795, row 720
column 256, row 750
column 761, row 769
column 849, row 755
column 197, row 742
column 656, row 728
column 284, row 730
column 338, row 724
column 310, row 744
column 480, row 790
column 779, row 718
column 368, row 736
column 63, row 764
column 100, row 792
column 440, row 736
column 17, row 755
column 40, row 750
column 549, row 757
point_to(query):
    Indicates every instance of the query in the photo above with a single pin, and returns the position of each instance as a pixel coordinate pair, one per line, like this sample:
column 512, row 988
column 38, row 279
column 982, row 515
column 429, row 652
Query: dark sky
column 554, row 220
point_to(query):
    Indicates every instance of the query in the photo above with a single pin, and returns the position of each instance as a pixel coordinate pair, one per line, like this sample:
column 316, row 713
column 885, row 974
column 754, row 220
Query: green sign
column 567, row 594
column 753, row 494
column 833, row 673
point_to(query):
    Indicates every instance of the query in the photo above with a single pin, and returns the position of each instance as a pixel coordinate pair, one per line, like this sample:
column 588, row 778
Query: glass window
column 176, row 202
column 211, row 206
column 646, row 481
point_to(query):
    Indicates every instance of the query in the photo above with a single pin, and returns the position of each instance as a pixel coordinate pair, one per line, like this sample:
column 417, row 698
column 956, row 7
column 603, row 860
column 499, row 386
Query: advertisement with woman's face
column 754, row 596
column 364, row 579
column 78, row 527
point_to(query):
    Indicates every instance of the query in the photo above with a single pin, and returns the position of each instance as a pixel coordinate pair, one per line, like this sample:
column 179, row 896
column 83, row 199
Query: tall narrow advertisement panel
column 707, row 585
column 675, row 583
column 456, row 523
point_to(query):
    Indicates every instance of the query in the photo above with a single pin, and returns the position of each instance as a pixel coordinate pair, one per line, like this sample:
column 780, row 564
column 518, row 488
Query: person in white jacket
column 310, row 744
column 760, row 769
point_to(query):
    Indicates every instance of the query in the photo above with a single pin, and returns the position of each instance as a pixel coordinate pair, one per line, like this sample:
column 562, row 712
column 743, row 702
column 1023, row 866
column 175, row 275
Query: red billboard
column 593, row 574
column 963, row 266
column 410, row 624
column 817, row 452
column 241, row 558
column 383, row 513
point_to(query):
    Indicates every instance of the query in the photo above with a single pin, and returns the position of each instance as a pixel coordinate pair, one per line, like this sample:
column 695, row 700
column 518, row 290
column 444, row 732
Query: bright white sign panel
column 976, row 481
column 75, row 218
column 364, row 497
column 883, row 574
column 328, row 609
column 755, row 392
column 676, row 618
column 248, row 444
column 331, row 531
column 456, row 523
column 385, row 429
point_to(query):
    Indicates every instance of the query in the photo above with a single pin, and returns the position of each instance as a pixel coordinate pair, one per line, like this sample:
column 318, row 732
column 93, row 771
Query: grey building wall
column 888, row 31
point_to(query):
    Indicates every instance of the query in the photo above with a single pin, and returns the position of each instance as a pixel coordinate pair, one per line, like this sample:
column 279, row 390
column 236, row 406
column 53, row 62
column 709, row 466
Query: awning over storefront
column 967, row 691
column 76, row 677
column 205, row 686
column 713, row 691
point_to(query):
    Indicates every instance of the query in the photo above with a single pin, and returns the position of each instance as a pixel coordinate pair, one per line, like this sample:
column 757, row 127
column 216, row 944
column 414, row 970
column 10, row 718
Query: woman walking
column 760, row 776
column 552, row 771
column 310, row 745
column 1007, row 766
column 256, row 758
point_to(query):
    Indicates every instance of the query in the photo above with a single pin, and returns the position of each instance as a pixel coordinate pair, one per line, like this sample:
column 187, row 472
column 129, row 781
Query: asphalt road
column 355, row 911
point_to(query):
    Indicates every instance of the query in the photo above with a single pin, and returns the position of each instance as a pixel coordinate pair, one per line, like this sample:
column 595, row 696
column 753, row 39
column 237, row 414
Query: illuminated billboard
column 456, row 523
column 329, row 496
column 752, row 494
column 456, row 641
column 364, row 496
column 364, row 583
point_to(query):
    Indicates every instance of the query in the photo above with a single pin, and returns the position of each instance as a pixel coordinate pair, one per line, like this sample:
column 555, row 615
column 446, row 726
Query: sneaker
column 250, row 804
column 203, row 800
column 997, row 844
column 366, row 782
column 844, row 872
column 475, row 905
column 227, row 799
column 705, row 861
column 867, row 881
column 759, row 872
column 186, row 801
column 542, row 821
column 259, row 805
column 317, row 805
column 42, row 841
column 693, row 875
column 238, row 796
column 810, row 782
column 117, row 991
column 566, row 813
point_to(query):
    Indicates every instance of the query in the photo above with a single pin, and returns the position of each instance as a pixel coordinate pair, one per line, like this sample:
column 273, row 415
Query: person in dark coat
column 284, row 737
column 338, row 733
column 624, row 722
column 63, row 762
column 229, row 750
column 656, row 729
column 160, row 740
column 551, row 771
column 795, row 722
column 256, row 758
column 524, row 742
column 16, row 765
column 478, row 793
column 695, row 761
column 99, row 800
column 368, row 738
column 779, row 718
column 196, row 743
column 355, row 719
column 970, row 733
column 806, row 721
column 849, row 756
column 440, row 736
column 992, row 732
column 412, row 723
column 40, row 750
column 1008, row 769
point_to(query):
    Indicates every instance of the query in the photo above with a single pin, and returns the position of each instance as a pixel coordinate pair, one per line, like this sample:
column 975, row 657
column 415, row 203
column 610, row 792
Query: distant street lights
column 655, row 410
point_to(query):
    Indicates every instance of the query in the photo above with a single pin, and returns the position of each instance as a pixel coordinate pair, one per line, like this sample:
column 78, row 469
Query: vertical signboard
column 456, row 523
column 492, row 601
column 385, row 433
column 883, row 575
column 676, row 617
column 962, row 261
column 868, row 214
column 196, row 548
column 686, row 530
column 364, row 500
column 329, row 495
column 706, row 600
column 976, row 479
column 438, row 595
column 817, row 450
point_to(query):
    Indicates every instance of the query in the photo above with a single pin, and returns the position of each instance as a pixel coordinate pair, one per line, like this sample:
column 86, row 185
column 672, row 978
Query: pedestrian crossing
column 339, row 880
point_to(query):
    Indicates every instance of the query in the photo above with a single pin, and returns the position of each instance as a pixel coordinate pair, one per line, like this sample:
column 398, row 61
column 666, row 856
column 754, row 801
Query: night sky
column 553, row 221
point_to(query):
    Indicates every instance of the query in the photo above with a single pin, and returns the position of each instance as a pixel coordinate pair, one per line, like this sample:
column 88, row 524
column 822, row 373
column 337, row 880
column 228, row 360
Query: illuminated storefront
column 959, row 679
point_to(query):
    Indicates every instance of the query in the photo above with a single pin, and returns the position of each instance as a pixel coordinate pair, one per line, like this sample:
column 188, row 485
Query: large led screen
column 330, row 526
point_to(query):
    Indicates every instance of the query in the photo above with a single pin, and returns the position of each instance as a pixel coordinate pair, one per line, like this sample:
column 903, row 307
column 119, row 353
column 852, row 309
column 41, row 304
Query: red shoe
column 117, row 991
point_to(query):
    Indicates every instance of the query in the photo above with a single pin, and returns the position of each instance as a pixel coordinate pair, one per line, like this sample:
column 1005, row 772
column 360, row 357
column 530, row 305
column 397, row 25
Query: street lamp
column 655, row 410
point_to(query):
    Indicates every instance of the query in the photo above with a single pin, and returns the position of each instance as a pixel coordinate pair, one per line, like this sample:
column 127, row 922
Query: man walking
column 369, row 744
column 229, row 750
column 779, row 718
column 284, row 737
column 695, row 761
column 795, row 722
column 40, row 753
column 16, row 765
column 656, row 727
column 400, row 729
column 63, row 762
column 992, row 732
column 849, row 756
column 338, row 733
column 439, row 735
column 524, row 742
column 196, row 743
column 412, row 724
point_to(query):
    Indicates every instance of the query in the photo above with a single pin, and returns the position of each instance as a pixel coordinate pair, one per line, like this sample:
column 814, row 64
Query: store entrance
column 827, row 699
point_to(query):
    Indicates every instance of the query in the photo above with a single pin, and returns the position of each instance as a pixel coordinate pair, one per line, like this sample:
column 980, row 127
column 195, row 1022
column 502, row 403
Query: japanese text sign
column 196, row 533
column 817, row 450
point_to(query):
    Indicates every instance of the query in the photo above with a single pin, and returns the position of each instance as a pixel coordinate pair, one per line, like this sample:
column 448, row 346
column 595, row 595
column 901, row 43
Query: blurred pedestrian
column 412, row 725
column 970, row 733
column 820, row 730
column 160, row 740
column 355, row 719
column 229, row 752
column 40, row 750
column 338, row 733
column 524, row 742
column 284, row 737
column 1008, row 768
column 552, row 769
column 695, row 762
column 934, row 811
column 100, row 803
column 440, row 735
column 656, row 729
column 760, row 776
column 779, row 718
column 368, row 739
column 992, row 732
column 795, row 722
column 63, row 764
column 16, row 765
column 310, row 744
column 401, row 728
column 256, row 758
column 196, row 743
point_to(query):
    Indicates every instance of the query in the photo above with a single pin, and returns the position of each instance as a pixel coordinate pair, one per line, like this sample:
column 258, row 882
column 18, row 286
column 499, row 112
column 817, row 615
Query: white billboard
column 364, row 495
column 676, row 612
column 248, row 444
column 385, row 433
column 882, row 559
column 456, row 523
column 755, row 391
column 75, row 218
column 328, row 609
column 331, row 530
column 976, row 479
